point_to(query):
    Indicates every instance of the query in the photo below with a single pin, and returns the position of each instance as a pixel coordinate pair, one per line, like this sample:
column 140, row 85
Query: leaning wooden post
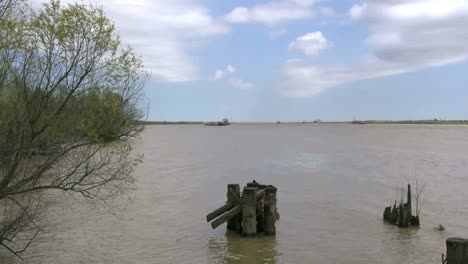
column 270, row 211
column 249, row 214
column 233, row 194
column 457, row 251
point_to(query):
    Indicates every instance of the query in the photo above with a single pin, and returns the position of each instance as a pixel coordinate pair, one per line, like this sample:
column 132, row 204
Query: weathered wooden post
column 400, row 214
column 270, row 211
column 405, row 216
column 409, row 201
column 260, row 208
column 249, row 214
column 394, row 218
column 233, row 196
column 457, row 251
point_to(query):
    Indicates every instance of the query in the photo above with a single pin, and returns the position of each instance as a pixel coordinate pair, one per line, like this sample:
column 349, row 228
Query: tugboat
column 225, row 122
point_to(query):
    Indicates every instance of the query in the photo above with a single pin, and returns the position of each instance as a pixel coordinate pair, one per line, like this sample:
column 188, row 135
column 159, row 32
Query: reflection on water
column 234, row 249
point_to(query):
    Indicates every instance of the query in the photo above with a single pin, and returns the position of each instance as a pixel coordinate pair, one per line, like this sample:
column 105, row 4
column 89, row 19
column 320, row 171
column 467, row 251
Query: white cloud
column 161, row 32
column 310, row 43
column 405, row 36
column 240, row 84
column 229, row 74
column 230, row 69
column 219, row 74
column 273, row 12
column 276, row 33
column 327, row 11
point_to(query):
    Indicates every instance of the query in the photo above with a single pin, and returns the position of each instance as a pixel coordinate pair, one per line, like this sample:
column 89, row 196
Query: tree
column 70, row 101
column 417, row 192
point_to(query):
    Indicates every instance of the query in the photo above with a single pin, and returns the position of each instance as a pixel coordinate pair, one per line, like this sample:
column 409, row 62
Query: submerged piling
column 409, row 200
column 457, row 251
column 249, row 213
column 260, row 208
column 270, row 211
column 401, row 214
column 233, row 196
column 254, row 212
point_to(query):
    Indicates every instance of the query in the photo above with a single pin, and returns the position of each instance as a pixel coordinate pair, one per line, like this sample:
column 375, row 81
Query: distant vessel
column 358, row 122
column 225, row 122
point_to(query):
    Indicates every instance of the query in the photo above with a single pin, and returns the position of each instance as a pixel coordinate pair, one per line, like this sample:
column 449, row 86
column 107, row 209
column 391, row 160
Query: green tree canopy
column 70, row 101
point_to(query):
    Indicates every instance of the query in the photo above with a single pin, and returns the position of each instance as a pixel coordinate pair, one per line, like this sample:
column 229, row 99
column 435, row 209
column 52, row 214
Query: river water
column 333, row 184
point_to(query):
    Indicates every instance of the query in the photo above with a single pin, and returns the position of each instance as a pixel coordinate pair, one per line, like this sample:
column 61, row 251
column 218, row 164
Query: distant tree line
column 171, row 122
column 429, row 121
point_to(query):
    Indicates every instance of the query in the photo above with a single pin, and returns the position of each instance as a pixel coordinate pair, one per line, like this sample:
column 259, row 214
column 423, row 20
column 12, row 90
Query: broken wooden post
column 233, row 196
column 219, row 211
column 457, row 251
column 249, row 215
column 270, row 211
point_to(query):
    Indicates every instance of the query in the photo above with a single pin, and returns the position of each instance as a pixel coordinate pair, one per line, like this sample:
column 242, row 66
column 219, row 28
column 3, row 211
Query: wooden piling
column 409, row 202
column 249, row 216
column 246, row 213
column 457, row 250
column 253, row 184
column 233, row 196
column 270, row 211
column 387, row 215
column 394, row 218
column 405, row 216
column 401, row 215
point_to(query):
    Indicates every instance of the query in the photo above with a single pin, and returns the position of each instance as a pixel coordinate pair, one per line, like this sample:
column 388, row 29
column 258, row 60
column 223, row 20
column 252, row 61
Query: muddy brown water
column 333, row 184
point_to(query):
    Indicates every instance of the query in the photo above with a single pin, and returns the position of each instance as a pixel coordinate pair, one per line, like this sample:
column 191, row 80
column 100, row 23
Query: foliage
column 70, row 99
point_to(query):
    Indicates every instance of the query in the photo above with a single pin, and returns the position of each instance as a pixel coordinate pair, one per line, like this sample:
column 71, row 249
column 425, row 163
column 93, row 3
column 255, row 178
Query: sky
column 299, row 60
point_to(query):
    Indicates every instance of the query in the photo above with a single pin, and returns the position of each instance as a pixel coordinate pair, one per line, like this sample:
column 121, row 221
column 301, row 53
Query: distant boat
column 225, row 122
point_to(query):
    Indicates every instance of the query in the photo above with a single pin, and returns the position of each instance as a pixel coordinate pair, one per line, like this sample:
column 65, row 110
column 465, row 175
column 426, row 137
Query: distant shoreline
column 370, row 122
column 171, row 123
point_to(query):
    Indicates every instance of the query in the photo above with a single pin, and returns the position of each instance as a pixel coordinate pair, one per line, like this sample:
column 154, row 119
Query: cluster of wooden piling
column 401, row 215
column 457, row 251
column 252, row 212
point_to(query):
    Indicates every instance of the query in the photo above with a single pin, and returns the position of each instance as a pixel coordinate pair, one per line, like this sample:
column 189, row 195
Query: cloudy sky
column 300, row 59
